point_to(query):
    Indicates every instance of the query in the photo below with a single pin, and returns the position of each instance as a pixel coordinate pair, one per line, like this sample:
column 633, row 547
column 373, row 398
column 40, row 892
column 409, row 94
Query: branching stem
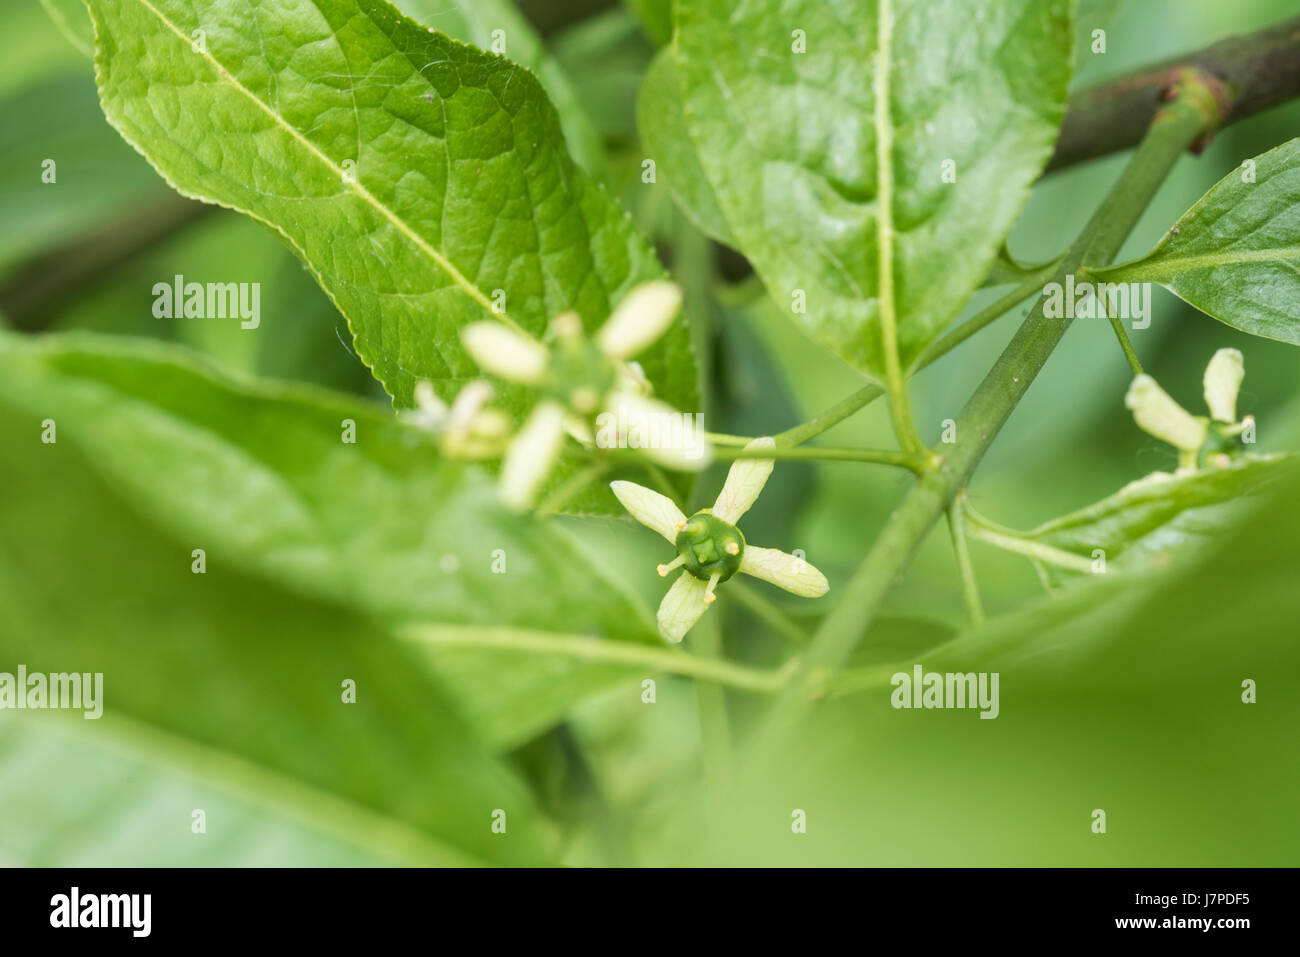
column 625, row 653
column 1032, row 284
column 1181, row 121
column 970, row 588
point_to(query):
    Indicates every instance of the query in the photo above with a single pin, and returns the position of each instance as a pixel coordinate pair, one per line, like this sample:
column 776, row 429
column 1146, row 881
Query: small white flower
column 710, row 546
column 466, row 430
column 580, row 379
column 1158, row 414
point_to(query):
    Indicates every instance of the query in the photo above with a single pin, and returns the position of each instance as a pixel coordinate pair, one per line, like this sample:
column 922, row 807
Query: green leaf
column 1093, row 15
column 1150, row 521
column 497, row 25
column 70, row 17
column 484, row 23
column 32, row 46
column 1006, row 270
column 224, row 678
column 1235, row 255
column 1225, row 614
column 259, row 476
column 462, row 184
column 661, row 119
column 656, row 16
column 790, row 140
column 115, row 793
column 99, row 180
column 607, row 54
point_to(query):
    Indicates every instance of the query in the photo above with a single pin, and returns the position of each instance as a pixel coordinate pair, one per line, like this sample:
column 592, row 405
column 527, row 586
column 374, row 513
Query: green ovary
column 581, row 375
column 703, row 545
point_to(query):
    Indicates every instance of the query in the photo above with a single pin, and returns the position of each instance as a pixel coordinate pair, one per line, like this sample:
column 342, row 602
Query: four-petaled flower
column 1159, row 415
column 578, row 378
column 711, row 548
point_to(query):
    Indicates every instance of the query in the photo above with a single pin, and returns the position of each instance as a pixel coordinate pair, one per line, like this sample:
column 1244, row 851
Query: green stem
column 1174, row 129
column 1124, row 343
column 766, row 611
column 1117, row 324
column 1011, row 540
column 741, row 293
column 917, row 462
column 970, row 588
column 570, row 487
column 1033, row 283
column 722, row 438
column 854, row 680
column 1031, row 549
column 715, row 725
column 716, row 670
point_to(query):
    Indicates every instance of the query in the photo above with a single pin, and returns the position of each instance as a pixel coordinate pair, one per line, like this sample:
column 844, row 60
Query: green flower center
column 709, row 546
column 1222, row 439
column 581, row 375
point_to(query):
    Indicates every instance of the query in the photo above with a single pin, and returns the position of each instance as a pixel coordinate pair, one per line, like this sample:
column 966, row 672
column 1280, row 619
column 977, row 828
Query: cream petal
column 682, row 606
column 1222, row 383
column 744, row 483
column 529, row 459
column 654, row 428
column 567, row 325
column 784, row 571
column 632, row 378
column 430, row 412
column 642, row 317
column 468, row 403
column 1159, row 415
column 579, row 430
column 426, row 400
column 505, row 353
column 648, row 507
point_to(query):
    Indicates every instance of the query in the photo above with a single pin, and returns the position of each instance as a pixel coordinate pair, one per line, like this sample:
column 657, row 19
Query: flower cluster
column 1199, row 440
column 711, row 549
column 578, row 378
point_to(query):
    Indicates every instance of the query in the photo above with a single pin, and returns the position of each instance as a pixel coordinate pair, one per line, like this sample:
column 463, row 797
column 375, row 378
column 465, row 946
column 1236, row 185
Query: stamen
column 1246, row 423
column 709, row 596
column 680, row 525
column 585, row 400
column 665, row 569
column 567, row 325
column 733, row 548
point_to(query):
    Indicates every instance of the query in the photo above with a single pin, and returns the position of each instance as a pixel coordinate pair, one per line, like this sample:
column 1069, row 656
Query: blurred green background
column 1127, row 702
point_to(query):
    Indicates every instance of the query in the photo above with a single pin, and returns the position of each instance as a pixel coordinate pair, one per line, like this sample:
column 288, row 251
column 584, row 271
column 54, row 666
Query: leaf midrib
column 260, row 785
column 883, row 122
column 441, row 261
column 1158, row 267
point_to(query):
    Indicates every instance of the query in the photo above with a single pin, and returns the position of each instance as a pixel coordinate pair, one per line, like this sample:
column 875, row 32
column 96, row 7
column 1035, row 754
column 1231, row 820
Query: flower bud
column 641, row 318
column 1222, row 383
column 505, row 353
column 529, row 459
column 1159, row 415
